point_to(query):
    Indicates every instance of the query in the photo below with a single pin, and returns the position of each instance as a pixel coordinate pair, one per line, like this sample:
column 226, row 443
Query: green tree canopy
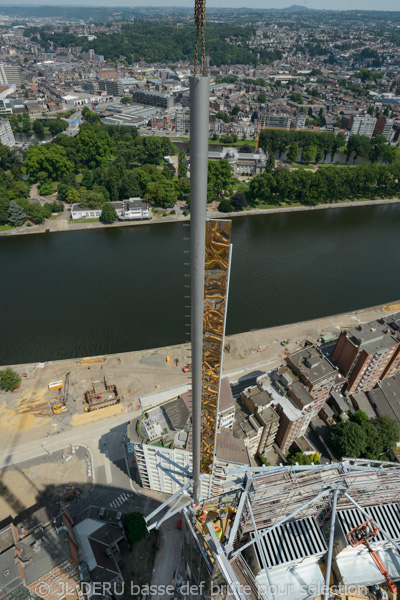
column 9, row 379
column 108, row 214
column 50, row 158
column 348, row 439
column 16, row 214
column 135, row 527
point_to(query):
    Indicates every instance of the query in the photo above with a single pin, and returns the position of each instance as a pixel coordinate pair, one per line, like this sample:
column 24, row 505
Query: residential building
column 293, row 421
column 153, row 99
column 108, row 74
column 182, row 120
column 280, row 121
column 226, row 406
column 365, row 354
column 44, row 557
column 113, row 88
column 385, row 398
column 363, row 125
column 6, row 134
column 316, row 372
column 10, row 74
column 264, row 418
column 127, row 210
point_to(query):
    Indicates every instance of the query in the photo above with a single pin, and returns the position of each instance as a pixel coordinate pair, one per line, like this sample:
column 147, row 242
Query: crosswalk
column 121, row 499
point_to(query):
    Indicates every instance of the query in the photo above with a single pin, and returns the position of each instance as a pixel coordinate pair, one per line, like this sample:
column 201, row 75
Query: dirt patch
column 113, row 362
column 98, row 415
column 137, row 566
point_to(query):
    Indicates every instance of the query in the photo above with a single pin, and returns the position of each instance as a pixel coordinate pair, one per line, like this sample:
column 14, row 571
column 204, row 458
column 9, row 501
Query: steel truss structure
column 216, row 284
column 268, row 497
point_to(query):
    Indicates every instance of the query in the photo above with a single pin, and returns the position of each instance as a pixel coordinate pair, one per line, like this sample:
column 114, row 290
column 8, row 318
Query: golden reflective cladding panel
column 218, row 239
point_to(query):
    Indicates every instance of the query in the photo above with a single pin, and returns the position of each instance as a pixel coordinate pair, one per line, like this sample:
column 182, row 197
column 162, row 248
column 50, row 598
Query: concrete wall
column 156, row 398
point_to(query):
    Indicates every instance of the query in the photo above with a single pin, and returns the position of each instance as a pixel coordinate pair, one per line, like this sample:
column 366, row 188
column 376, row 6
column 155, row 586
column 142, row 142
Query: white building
column 133, row 209
column 6, row 134
column 10, row 74
column 363, row 125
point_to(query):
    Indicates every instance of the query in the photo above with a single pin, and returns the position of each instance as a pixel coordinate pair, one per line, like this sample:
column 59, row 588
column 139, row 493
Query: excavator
column 362, row 535
column 61, row 407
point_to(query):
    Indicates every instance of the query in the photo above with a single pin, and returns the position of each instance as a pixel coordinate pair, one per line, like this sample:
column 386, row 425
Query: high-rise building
column 10, row 74
column 316, row 372
column 363, row 125
column 6, row 134
column 113, row 88
column 366, row 354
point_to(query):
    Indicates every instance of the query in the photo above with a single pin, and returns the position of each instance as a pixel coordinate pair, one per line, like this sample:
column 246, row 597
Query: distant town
column 292, row 92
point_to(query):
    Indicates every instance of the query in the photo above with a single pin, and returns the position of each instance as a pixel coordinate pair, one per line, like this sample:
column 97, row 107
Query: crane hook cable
column 200, row 18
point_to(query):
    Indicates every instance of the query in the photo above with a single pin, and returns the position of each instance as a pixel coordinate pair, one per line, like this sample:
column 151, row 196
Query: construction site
column 276, row 532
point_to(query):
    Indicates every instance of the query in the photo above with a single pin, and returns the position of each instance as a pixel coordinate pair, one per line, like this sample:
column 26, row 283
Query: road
column 73, row 128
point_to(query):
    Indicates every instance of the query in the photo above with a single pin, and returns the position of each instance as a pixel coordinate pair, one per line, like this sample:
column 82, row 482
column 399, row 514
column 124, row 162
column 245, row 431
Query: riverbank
column 62, row 222
column 25, row 414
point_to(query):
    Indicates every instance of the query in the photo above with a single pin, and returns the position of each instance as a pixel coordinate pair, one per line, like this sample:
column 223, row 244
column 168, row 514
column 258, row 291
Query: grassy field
column 94, row 220
column 6, row 227
column 238, row 143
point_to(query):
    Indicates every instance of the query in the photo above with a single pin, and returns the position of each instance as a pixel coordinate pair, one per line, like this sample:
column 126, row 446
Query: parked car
column 129, row 447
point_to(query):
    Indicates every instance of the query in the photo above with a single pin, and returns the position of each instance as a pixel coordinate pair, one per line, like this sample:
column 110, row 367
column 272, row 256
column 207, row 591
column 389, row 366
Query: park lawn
column 6, row 227
column 93, row 220
column 301, row 166
column 238, row 143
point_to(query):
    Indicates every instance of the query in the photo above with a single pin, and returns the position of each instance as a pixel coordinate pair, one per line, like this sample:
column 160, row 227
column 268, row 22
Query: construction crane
column 62, row 405
column 362, row 535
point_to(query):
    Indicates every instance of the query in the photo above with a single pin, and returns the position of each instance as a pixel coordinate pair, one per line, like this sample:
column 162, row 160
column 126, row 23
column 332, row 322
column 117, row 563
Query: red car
column 187, row 368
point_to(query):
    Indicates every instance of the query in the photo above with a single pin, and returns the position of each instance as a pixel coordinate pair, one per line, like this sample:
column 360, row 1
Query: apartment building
column 293, row 420
column 6, row 134
column 363, row 125
column 113, row 88
column 266, row 420
column 10, row 74
column 153, row 99
column 164, row 446
column 226, row 406
column 316, row 372
column 366, row 354
column 273, row 120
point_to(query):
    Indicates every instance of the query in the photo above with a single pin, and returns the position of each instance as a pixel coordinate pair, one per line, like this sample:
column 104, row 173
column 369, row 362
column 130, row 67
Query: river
column 73, row 294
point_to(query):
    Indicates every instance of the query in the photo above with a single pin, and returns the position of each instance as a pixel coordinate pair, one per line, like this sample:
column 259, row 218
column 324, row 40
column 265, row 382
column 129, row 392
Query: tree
column 235, row 110
column 4, row 206
column 126, row 99
column 56, row 126
column 108, row 214
column 309, row 154
column 348, row 439
column 297, row 97
column 293, row 152
column 72, row 196
column 135, row 527
column 45, row 189
column 303, row 459
column 261, row 98
column 225, row 206
column 388, row 430
column 239, row 201
column 182, row 165
column 38, row 127
column 270, row 166
column 9, row 379
column 16, row 214
column 50, row 158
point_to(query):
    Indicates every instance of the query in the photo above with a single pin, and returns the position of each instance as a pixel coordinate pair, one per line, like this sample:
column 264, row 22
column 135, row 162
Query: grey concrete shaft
column 330, row 547
column 199, row 122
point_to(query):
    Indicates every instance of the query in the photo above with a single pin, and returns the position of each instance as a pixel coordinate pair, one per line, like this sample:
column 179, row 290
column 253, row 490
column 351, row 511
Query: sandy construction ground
column 26, row 414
